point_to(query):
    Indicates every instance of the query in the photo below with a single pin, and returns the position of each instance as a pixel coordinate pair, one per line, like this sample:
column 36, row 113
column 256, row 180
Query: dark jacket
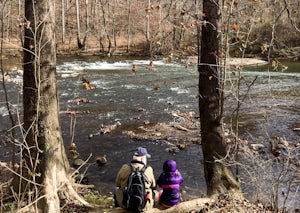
column 170, row 181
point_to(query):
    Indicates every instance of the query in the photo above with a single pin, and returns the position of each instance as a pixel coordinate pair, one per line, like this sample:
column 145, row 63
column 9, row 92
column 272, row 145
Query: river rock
column 173, row 149
column 101, row 160
column 257, row 146
column 181, row 146
column 78, row 162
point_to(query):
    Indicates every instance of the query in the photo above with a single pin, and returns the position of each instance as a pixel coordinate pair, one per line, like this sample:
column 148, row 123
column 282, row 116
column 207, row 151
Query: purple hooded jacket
column 170, row 181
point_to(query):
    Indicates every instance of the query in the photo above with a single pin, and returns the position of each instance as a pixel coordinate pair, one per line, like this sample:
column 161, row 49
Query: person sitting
column 139, row 161
column 169, row 180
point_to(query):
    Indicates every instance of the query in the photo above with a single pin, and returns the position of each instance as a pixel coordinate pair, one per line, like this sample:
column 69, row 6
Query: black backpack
column 134, row 197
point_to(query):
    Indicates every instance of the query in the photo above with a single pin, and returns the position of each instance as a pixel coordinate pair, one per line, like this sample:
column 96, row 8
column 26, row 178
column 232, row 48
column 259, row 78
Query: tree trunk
column 148, row 42
column 81, row 43
column 219, row 177
column 114, row 27
column 63, row 23
column 46, row 165
column 103, row 4
column 128, row 25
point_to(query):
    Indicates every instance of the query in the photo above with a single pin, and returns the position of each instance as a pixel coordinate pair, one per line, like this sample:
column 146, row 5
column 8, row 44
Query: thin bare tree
column 63, row 22
column 104, row 8
column 81, row 42
column 128, row 24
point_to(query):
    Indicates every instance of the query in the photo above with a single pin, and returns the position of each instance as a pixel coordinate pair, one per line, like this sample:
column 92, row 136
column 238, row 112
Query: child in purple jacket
column 169, row 181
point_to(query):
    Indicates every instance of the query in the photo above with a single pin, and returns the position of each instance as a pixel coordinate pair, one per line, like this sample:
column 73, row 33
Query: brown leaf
column 27, row 24
column 148, row 10
column 133, row 68
column 156, row 87
column 235, row 27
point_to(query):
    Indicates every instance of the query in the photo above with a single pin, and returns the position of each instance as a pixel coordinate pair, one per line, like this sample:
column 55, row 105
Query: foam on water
column 3, row 111
column 179, row 90
column 77, row 66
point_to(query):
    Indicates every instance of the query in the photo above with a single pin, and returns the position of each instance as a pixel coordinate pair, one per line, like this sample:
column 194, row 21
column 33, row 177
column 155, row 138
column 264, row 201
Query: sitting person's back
column 139, row 162
column 169, row 181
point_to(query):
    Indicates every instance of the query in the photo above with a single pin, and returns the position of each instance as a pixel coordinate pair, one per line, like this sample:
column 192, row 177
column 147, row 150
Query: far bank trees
column 161, row 27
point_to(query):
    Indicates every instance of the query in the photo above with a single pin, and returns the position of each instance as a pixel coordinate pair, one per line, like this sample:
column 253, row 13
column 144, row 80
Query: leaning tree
column 45, row 170
column 218, row 176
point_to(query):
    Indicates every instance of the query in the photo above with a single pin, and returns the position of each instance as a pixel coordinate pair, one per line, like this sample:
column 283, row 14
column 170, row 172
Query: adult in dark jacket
column 170, row 181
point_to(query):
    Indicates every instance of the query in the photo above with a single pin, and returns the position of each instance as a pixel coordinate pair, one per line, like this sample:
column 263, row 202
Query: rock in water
column 101, row 160
column 78, row 162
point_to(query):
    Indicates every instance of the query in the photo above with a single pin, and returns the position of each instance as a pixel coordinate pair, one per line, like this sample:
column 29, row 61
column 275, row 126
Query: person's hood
column 169, row 166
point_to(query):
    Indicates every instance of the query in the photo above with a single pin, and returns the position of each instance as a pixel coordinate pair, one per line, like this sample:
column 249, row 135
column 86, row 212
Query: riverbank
column 217, row 203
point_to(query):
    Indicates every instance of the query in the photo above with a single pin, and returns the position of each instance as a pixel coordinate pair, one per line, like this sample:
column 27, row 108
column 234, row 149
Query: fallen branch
column 177, row 126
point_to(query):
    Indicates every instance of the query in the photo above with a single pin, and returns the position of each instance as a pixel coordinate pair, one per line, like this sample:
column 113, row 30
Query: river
column 270, row 108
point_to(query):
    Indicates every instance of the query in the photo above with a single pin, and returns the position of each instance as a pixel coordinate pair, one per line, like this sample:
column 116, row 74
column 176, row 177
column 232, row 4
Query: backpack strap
column 137, row 169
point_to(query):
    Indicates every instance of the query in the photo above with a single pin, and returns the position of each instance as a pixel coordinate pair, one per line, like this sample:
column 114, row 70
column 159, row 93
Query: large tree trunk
column 46, row 165
column 219, row 177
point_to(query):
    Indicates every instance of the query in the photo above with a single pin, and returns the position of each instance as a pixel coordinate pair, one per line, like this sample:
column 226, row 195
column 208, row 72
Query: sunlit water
column 270, row 108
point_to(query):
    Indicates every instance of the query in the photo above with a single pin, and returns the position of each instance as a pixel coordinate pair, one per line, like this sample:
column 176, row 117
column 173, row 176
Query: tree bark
column 219, row 177
column 46, row 166
column 148, row 41
column 63, row 23
column 128, row 25
column 81, row 43
column 103, row 4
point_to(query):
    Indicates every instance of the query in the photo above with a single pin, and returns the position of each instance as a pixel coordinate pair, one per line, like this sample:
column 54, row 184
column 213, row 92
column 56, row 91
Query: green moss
column 101, row 201
column 8, row 207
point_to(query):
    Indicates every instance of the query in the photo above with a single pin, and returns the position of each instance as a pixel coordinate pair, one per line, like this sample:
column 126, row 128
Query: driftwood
column 187, row 206
column 179, row 127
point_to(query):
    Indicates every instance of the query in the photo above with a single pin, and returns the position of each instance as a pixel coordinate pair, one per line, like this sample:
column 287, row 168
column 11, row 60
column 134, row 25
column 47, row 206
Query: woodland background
column 253, row 28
